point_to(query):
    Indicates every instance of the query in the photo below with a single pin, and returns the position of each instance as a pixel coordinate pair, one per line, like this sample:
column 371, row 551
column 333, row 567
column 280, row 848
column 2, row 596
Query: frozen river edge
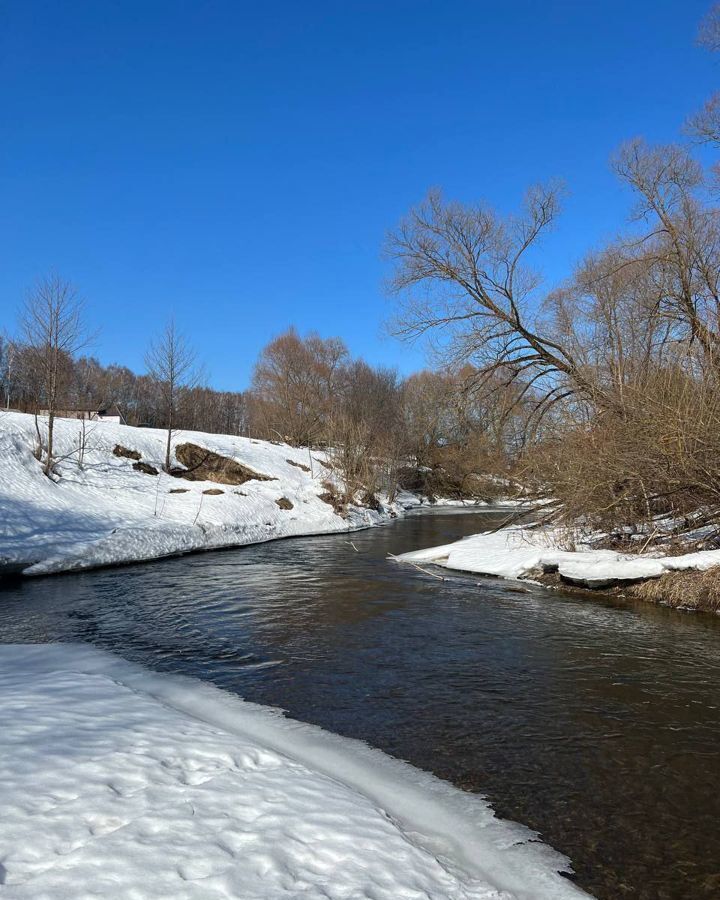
column 120, row 782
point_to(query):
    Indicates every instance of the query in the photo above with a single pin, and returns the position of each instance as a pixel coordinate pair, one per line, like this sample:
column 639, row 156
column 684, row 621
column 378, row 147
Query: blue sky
column 238, row 164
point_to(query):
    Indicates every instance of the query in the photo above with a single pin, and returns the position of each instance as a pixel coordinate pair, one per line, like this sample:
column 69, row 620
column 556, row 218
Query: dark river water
column 596, row 722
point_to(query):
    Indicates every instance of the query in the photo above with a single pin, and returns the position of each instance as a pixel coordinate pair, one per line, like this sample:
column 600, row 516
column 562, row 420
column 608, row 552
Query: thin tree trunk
column 49, row 458
column 167, row 450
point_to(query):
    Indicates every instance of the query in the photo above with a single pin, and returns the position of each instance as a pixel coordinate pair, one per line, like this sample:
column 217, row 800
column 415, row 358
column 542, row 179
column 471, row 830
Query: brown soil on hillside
column 204, row 465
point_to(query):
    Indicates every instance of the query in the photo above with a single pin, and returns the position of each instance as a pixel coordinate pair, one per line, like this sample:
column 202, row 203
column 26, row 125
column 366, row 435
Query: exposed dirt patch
column 371, row 501
column 204, row 465
column 297, row 465
column 333, row 497
column 178, row 490
column 125, row 452
column 213, row 491
column 284, row 503
column 145, row 467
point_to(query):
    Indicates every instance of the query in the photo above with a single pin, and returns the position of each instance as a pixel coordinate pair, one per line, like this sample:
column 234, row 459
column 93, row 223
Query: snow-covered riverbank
column 121, row 783
column 105, row 508
column 523, row 552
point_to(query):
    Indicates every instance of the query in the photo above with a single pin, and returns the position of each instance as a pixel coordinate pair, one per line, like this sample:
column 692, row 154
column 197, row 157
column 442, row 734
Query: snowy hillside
column 121, row 783
column 107, row 508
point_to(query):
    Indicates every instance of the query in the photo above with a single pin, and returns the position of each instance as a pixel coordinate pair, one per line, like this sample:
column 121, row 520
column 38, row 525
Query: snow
column 121, row 783
column 407, row 500
column 106, row 512
column 521, row 551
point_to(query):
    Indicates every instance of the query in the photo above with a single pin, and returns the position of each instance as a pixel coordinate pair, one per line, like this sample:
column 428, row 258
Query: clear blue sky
column 238, row 163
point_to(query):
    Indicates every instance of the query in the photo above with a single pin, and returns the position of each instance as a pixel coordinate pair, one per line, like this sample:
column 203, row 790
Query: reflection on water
column 595, row 722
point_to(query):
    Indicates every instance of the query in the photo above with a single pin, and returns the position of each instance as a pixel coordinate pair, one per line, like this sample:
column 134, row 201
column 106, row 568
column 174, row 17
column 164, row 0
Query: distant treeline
column 87, row 384
column 431, row 431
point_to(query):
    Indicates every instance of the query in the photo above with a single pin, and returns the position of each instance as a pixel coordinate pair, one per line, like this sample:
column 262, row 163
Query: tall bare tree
column 709, row 30
column 464, row 273
column 704, row 125
column 52, row 327
column 171, row 363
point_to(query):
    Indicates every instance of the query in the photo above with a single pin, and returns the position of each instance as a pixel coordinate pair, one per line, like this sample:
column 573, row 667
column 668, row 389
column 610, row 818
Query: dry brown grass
column 689, row 590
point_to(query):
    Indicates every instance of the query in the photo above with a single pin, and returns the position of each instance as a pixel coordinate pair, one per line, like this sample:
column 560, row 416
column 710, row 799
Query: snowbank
column 520, row 551
column 121, row 783
column 104, row 511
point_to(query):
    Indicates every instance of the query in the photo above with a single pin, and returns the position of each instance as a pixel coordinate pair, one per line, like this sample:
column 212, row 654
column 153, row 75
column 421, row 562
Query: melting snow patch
column 519, row 551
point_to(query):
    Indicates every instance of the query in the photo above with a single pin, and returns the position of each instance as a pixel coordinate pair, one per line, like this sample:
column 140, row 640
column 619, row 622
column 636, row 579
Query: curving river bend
column 596, row 722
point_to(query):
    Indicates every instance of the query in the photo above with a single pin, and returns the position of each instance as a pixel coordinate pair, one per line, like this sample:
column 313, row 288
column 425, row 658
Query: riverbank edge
column 674, row 590
column 110, row 501
column 19, row 570
column 687, row 583
column 664, row 590
column 459, row 830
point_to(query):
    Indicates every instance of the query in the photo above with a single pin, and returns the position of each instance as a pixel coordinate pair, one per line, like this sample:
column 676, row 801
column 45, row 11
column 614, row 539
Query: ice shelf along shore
column 122, row 783
column 523, row 551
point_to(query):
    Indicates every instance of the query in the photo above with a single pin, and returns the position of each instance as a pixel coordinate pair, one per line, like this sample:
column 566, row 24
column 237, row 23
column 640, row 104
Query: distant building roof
column 67, row 410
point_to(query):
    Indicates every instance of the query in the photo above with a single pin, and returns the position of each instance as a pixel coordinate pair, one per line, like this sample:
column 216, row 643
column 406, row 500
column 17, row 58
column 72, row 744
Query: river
column 594, row 721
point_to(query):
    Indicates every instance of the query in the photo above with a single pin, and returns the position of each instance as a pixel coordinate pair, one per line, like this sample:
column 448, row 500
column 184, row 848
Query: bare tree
column 171, row 365
column 294, row 382
column 709, row 31
column 454, row 434
column 364, row 430
column 704, row 125
column 464, row 274
column 682, row 243
column 52, row 326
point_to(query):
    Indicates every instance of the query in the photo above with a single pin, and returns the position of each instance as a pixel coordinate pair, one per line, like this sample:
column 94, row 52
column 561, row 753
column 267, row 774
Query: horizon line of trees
column 430, row 431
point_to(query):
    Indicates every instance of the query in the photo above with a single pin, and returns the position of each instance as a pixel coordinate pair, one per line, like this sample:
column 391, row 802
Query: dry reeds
column 686, row 590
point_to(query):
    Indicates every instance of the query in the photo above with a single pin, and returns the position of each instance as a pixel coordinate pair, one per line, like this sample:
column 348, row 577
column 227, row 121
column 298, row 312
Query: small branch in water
column 353, row 546
column 416, row 566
